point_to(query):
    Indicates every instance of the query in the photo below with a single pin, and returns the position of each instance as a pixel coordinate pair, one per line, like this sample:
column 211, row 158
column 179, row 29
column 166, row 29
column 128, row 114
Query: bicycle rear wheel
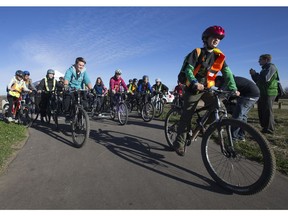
column 171, row 125
column 80, row 127
column 159, row 107
column 245, row 166
column 148, row 112
column 122, row 113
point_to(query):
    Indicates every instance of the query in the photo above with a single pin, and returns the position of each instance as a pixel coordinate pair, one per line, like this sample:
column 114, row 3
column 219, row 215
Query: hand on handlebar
column 199, row 86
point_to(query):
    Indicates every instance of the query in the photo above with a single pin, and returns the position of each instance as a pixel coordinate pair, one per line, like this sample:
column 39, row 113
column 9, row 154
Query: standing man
column 200, row 68
column 267, row 82
column 77, row 78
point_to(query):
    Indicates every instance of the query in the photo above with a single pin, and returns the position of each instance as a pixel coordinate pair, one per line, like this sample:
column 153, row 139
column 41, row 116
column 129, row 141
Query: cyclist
column 116, row 85
column 179, row 89
column 144, row 88
column 129, row 83
column 29, row 84
column 76, row 77
column 200, row 68
column 99, row 90
column 46, row 86
column 14, row 90
column 159, row 87
column 250, row 94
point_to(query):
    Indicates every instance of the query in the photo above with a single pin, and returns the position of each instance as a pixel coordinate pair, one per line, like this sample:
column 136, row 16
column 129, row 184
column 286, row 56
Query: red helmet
column 213, row 31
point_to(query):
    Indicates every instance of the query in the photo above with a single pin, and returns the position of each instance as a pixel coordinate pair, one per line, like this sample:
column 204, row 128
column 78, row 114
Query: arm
column 269, row 72
column 124, row 84
column 229, row 79
column 189, row 66
column 87, row 80
column 41, row 85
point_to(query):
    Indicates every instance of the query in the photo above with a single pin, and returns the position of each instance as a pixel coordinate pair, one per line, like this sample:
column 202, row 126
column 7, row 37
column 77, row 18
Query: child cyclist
column 14, row 90
column 200, row 68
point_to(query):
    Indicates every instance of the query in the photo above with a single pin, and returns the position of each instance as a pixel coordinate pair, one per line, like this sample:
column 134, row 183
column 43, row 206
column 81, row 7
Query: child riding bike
column 14, row 90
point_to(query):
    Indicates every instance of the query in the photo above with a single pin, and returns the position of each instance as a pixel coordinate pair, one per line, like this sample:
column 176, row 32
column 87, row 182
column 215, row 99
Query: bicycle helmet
column 157, row 80
column 145, row 77
column 50, row 71
column 19, row 73
column 130, row 80
column 118, row 71
column 135, row 80
column 26, row 73
column 213, row 31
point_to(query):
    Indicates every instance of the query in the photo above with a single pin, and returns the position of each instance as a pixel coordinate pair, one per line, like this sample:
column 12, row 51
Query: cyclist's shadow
column 138, row 151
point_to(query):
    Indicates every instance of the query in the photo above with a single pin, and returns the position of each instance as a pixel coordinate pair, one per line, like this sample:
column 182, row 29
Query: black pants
column 11, row 101
column 265, row 112
column 44, row 103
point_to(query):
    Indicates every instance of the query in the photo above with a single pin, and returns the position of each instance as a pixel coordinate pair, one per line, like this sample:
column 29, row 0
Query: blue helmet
column 26, row 73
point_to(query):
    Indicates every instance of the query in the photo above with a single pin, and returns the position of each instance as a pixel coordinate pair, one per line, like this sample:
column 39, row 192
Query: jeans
column 242, row 108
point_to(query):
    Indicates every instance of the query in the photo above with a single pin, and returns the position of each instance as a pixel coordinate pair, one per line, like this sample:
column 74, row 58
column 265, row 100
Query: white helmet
column 157, row 80
column 118, row 71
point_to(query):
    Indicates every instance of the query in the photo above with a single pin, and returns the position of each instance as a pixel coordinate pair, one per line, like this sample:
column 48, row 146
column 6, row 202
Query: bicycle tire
column 80, row 129
column 148, row 112
column 159, row 108
column 26, row 116
column 122, row 113
column 171, row 125
column 250, row 170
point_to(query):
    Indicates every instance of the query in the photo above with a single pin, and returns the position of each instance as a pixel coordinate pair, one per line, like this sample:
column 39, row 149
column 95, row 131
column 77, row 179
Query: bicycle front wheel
column 148, row 112
column 171, row 124
column 159, row 107
column 26, row 117
column 122, row 113
column 244, row 166
column 80, row 127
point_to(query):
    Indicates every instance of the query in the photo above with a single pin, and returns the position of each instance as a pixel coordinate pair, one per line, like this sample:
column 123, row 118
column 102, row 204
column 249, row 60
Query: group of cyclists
column 77, row 78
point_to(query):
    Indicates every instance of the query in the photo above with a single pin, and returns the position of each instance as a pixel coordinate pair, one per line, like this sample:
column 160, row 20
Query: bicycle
column 242, row 166
column 158, row 104
column 120, row 109
column 21, row 111
column 146, row 107
column 80, row 124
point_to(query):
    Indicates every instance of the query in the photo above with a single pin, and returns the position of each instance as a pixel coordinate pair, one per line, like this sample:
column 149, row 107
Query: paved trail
column 120, row 167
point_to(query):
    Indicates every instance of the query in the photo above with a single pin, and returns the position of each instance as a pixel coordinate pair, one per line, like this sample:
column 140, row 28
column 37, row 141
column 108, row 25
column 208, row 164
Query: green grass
column 10, row 135
column 278, row 141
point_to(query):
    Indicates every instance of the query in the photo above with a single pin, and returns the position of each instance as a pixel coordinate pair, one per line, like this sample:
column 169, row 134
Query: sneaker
column 180, row 150
column 68, row 119
column 100, row 115
column 16, row 121
column 10, row 119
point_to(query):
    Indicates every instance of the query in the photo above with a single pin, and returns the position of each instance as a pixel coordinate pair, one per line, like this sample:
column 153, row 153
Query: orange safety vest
column 215, row 68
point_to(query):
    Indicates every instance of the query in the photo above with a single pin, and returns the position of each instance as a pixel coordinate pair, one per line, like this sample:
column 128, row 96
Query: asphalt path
column 120, row 167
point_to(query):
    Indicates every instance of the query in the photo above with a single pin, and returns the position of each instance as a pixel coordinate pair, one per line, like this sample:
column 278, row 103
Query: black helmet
column 130, row 80
column 19, row 73
column 50, row 71
column 145, row 77
column 135, row 80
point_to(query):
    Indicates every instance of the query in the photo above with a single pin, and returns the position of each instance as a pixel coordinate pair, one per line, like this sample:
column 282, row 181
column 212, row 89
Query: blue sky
column 140, row 41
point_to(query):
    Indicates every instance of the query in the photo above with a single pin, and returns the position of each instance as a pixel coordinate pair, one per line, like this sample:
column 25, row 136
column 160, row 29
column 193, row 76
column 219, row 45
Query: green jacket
column 267, row 80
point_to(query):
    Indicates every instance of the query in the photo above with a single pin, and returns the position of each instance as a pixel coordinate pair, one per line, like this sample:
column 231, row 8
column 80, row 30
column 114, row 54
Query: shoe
column 180, row 150
column 16, row 121
column 99, row 115
column 267, row 131
column 68, row 119
column 10, row 119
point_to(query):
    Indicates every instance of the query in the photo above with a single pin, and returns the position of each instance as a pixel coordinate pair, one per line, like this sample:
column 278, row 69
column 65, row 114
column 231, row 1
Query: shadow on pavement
column 137, row 150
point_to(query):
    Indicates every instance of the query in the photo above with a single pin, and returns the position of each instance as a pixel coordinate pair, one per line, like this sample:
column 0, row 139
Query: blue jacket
column 76, row 80
column 142, row 88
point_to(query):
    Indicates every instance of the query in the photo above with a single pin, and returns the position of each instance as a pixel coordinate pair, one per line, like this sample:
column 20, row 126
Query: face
column 158, row 83
column 118, row 76
column 98, row 81
column 50, row 76
column 26, row 77
column 19, row 78
column 145, row 80
column 79, row 66
column 262, row 61
column 213, row 41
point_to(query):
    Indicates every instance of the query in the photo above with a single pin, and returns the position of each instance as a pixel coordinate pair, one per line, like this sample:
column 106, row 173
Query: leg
column 190, row 104
column 269, row 123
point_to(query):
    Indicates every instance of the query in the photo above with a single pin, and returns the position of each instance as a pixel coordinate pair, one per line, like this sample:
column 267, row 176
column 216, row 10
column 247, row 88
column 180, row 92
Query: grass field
column 10, row 136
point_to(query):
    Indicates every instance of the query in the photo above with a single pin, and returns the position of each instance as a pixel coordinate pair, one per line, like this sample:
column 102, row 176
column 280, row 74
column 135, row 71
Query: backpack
column 182, row 76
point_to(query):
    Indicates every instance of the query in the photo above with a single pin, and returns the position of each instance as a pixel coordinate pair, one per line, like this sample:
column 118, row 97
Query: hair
column 266, row 57
column 80, row 59
column 101, row 81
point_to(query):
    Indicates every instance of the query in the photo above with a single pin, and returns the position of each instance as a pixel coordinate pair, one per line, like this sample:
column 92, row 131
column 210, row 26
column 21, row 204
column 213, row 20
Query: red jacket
column 116, row 83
